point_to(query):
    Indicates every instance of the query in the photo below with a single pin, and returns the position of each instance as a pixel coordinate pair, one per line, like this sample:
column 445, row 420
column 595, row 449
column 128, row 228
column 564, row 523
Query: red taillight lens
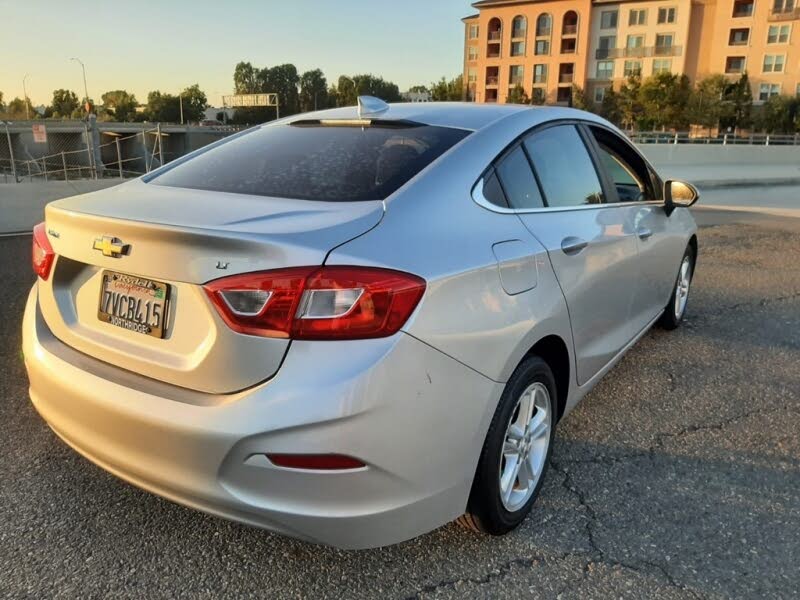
column 318, row 303
column 42, row 255
column 316, row 462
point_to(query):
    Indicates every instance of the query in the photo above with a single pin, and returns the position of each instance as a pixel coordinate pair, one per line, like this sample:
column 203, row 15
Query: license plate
column 134, row 303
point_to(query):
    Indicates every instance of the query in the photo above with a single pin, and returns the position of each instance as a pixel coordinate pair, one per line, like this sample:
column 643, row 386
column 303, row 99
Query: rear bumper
column 416, row 417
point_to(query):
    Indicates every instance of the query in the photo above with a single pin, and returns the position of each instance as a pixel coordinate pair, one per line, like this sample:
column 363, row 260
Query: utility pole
column 180, row 98
column 27, row 102
column 85, row 89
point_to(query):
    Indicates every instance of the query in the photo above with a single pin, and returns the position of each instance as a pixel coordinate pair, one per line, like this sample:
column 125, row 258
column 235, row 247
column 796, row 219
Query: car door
column 661, row 239
column 591, row 243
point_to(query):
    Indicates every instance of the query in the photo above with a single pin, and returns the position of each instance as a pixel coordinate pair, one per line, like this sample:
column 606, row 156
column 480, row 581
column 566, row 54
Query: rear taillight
column 318, row 303
column 42, row 255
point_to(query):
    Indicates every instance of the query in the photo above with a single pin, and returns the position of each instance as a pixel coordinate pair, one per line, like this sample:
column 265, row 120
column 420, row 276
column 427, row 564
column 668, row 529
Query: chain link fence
column 84, row 151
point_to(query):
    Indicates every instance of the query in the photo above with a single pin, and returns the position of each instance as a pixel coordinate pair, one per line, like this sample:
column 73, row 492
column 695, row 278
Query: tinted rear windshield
column 314, row 161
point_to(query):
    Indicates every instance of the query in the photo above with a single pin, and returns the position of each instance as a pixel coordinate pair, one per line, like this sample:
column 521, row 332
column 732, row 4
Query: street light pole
column 85, row 89
column 180, row 98
column 25, row 93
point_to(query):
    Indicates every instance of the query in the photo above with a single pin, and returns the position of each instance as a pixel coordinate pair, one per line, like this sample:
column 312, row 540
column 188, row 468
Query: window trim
column 580, row 124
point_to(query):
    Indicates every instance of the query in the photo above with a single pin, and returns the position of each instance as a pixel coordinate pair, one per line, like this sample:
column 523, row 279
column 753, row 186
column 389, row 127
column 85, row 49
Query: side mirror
column 679, row 194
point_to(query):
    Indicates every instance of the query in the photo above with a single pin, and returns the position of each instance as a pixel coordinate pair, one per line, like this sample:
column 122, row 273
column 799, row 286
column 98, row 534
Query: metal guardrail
column 726, row 139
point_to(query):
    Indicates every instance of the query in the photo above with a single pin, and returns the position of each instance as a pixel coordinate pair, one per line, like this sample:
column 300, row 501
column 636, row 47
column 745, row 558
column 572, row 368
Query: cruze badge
column 111, row 246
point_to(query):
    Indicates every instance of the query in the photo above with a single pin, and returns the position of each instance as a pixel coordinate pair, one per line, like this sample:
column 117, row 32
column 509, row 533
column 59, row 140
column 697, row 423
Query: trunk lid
column 183, row 238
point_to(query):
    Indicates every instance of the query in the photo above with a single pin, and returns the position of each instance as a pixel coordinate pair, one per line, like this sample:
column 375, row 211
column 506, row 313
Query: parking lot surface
column 677, row 477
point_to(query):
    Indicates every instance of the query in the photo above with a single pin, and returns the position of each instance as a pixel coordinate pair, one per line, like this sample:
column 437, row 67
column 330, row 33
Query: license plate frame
column 150, row 311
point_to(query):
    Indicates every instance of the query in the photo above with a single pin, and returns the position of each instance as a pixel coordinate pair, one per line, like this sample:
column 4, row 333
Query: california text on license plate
column 134, row 303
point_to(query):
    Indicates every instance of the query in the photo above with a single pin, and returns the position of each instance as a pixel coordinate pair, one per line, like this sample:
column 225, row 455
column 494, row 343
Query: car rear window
column 316, row 161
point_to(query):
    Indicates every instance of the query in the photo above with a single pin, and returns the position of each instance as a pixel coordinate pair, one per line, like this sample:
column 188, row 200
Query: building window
column 570, row 23
column 605, row 69
column 634, row 46
column 599, row 94
column 768, row 90
column 539, row 95
column 742, row 8
column 543, row 25
column 516, row 75
column 605, row 45
column 492, row 76
column 566, row 72
column 778, row 34
column 517, row 48
column 564, row 94
column 773, row 63
column 608, row 19
column 739, row 37
column 782, row 6
column 663, row 44
column 632, row 67
column 519, row 27
column 637, row 17
column 569, row 45
column 472, row 53
column 734, row 64
column 539, row 73
column 474, row 30
column 542, row 47
column 662, row 65
column 472, row 76
column 666, row 15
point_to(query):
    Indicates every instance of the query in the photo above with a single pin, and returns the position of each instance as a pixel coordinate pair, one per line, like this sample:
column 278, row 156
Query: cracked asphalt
column 677, row 477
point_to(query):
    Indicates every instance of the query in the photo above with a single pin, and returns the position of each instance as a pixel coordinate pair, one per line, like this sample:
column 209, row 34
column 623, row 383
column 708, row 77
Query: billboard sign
column 250, row 100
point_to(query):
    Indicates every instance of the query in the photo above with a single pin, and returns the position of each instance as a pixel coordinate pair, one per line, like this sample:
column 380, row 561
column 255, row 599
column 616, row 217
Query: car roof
column 461, row 115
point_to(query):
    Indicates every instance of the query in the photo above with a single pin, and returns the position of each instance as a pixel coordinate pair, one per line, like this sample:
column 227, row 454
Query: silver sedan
column 356, row 325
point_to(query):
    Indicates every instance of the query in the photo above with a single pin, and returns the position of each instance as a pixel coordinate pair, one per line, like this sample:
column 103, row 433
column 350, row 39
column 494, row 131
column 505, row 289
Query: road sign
column 39, row 133
column 250, row 100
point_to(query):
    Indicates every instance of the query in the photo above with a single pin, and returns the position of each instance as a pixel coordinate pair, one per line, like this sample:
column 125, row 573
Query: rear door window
column 342, row 161
column 564, row 167
column 518, row 181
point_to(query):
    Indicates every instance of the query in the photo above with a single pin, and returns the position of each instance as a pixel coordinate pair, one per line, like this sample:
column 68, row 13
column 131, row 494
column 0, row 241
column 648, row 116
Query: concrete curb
column 718, row 184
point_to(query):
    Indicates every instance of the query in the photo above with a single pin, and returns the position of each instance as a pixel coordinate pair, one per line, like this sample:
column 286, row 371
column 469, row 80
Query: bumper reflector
column 316, row 462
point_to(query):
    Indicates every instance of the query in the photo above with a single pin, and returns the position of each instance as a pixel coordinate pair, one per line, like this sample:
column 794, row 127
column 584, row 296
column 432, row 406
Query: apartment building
column 547, row 45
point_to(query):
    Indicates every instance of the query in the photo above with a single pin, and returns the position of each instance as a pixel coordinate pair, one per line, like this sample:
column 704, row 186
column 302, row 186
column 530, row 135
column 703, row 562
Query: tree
column 630, row 105
column 284, row 81
column 163, row 108
column 16, row 108
column 245, row 79
column 517, row 95
column 313, row 90
column 741, row 97
column 706, row 106
column 419, row 89
column 121, row 104
column 610, row 106
column 579, row 98
column 448, row 91
column 2, row 106
column 65, row 103
column 779, row 114
column 665, row 97
column 348, row 89
column 194, row 103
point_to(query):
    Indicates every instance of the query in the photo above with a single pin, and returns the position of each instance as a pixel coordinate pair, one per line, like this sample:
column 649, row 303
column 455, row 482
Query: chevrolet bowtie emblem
column 111, row 246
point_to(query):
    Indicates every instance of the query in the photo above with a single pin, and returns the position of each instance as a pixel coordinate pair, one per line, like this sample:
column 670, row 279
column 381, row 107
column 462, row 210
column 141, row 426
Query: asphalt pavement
column 677, row 477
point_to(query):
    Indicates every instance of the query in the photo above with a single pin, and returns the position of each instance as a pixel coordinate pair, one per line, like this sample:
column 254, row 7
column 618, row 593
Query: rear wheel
column 676, row 307
column 516, row 451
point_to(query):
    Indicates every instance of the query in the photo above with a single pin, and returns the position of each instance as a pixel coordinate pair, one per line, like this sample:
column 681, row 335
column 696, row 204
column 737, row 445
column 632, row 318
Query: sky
column 168, row 45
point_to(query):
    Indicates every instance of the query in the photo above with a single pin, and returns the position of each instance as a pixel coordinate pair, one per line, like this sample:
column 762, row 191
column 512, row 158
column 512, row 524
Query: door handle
column 573, row 245
column 644, row 233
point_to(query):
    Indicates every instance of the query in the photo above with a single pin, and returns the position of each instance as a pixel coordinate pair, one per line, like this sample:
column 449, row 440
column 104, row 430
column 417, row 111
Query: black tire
column 669, row 319
column 485, row 510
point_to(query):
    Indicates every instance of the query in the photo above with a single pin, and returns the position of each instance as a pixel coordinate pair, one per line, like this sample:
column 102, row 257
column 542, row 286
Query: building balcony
column 784, row 15
column 492, row 81
column 640, row 52
column 493, row 52
column 543, row 32
column 494, row 36
column 519, row 34
column 565, row 78
column 569, row 30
